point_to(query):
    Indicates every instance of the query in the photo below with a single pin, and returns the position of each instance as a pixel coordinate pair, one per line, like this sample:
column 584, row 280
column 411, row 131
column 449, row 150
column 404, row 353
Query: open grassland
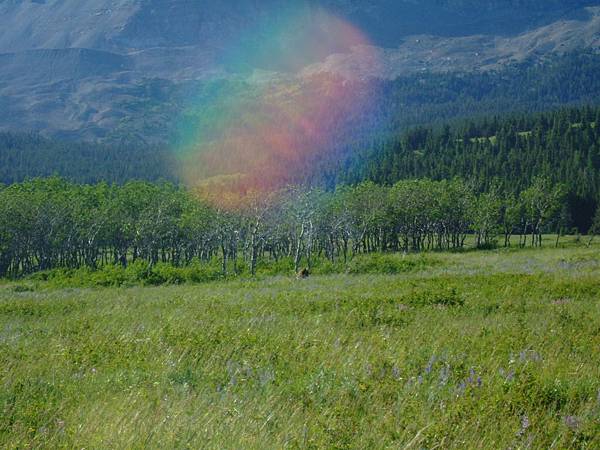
column 495, row 349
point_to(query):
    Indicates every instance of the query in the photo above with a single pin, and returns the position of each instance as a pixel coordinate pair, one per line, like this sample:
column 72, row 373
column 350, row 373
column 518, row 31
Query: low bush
column 389, row 263
column 141, row 273
column 435, row 295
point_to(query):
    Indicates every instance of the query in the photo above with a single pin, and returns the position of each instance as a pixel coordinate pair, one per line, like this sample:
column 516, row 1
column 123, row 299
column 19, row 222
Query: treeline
column 27, row 155
column 557, row 81
column 51, row 223
column 563, row 146
column 414, row 100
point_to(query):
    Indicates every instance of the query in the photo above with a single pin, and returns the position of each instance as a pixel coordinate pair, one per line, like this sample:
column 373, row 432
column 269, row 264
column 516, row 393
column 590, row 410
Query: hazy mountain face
column 140, row 24
column 106, row 68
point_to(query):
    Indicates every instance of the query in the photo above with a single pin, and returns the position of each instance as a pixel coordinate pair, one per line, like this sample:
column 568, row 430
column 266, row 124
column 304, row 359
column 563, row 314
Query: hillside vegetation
column 27, row 155
column 563, row 145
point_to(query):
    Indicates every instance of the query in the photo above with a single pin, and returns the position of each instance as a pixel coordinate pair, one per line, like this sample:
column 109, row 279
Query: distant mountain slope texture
column 106, row 69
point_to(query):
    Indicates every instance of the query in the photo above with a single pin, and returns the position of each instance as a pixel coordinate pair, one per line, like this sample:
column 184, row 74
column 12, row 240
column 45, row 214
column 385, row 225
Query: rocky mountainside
column 106, row 69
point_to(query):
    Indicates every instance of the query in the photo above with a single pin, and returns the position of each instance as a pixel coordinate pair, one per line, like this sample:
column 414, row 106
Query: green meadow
column 482, row 349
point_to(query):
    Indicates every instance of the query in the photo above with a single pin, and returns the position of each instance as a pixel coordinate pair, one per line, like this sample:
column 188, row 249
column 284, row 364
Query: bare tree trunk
column 224, row 250
column 254, row 249
column 298, row 255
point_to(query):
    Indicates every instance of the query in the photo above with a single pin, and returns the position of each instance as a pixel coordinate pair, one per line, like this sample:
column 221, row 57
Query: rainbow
column 268, row 125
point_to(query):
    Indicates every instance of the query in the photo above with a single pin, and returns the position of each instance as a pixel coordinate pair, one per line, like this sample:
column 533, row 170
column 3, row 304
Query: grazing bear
column 304, row 273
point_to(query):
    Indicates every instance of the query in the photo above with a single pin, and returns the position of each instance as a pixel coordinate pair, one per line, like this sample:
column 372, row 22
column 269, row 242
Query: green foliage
column 478, row 350
column 24, row 156
column 435, row 295
column 415, row 100
column 136, row 273
column 388, row 264
column 161, row 234
column 496, row 155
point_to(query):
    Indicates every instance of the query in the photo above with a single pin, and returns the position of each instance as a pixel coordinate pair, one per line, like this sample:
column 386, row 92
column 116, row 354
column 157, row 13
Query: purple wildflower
column 524, row 426
column 530, row 355
column 429, row 367
column 444, row 375
column 572, row 422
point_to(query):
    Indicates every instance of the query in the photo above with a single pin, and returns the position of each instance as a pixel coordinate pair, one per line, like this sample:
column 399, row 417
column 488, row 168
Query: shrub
column 279, row 267
column 388, row 264
column 199, row 272
column 435, row 295
column 22, row 288
column 109, row 275
column 137, row 271
column 163, row 273
column 492, row 245
column 324, row 266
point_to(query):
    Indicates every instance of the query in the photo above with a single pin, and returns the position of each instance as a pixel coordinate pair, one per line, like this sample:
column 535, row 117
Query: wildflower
column 510, row 375
column 266, row 376
column 444, row 375
column 231, row 365
column 572, row 422
column 524, row 425
column 429, row 367
column 471, row 378
column 529, row 355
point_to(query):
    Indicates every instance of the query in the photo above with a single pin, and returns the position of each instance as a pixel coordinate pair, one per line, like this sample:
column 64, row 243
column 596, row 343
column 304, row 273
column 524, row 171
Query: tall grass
column 477, row 350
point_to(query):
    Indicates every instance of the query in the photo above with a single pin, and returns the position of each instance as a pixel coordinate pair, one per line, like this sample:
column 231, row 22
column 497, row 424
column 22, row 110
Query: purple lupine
column 444, row 375
column 572, row 422
column 471, row 378
column 429, row 367
column 530, row 355
column 524, row 425
column 266, row 376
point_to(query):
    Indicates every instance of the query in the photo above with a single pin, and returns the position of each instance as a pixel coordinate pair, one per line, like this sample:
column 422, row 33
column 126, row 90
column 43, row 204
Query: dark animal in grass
column 303, row 274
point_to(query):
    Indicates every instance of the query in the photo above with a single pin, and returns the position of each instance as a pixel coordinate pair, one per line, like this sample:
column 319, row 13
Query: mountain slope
column 122, row 69
column 127, row 24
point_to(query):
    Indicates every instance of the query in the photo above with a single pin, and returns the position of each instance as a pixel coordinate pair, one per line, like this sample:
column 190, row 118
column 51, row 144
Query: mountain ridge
column 83, row 69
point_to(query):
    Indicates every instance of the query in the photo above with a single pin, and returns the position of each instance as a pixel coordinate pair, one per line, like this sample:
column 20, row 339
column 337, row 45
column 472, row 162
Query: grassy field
column 495, row 349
